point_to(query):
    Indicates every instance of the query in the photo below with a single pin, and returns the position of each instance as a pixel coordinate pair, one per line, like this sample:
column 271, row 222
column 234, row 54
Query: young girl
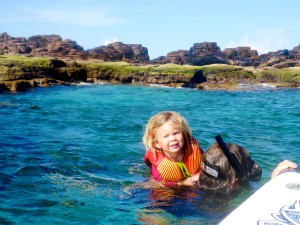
column 173, row 154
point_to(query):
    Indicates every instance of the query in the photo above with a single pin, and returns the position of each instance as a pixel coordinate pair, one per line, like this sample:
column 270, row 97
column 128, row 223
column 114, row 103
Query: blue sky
column 160, row 25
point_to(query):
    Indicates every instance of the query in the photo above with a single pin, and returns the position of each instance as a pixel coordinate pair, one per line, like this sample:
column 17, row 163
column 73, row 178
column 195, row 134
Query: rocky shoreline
column 44, row 60
column 20, row 73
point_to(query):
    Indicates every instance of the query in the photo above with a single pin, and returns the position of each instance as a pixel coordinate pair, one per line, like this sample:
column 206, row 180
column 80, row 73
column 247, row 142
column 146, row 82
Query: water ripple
column 75, row 154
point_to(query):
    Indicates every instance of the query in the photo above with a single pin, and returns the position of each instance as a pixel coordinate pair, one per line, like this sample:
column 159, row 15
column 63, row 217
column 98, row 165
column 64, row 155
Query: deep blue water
column 74, row 154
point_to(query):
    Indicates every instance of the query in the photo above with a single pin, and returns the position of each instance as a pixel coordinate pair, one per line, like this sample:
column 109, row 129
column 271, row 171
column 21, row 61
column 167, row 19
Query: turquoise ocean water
column 74, row 155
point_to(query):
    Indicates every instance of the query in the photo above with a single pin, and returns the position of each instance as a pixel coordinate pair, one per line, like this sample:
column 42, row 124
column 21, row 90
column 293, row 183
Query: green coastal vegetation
column 16, row 67
column 285, row 75
column 124, row 68
column 20, row 64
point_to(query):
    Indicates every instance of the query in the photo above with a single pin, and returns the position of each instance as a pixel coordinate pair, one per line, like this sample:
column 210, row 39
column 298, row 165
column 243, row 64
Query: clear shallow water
column 73, row 155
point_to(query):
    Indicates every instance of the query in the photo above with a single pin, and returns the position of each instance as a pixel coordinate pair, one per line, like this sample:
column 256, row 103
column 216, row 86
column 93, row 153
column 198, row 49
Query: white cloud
column 108, row 41
column 263, row 41
column 83, row 17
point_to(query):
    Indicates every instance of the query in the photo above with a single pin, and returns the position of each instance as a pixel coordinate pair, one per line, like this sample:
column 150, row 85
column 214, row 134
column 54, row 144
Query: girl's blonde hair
column 156, row 121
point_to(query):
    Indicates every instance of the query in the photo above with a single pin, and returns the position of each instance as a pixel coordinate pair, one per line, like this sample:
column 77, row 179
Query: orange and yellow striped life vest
column 175, row 171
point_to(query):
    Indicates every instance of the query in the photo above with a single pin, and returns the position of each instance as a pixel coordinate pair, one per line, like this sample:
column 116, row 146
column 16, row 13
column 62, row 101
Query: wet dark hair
column 217, row 172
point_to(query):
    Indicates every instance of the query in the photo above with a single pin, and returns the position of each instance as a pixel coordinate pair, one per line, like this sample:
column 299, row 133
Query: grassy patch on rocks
column 23, row 61
column 285, row 75
column 123, row 68
column 13, row 67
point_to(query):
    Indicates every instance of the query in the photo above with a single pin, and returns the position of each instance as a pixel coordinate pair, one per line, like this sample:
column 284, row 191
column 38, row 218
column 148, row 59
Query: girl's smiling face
column 170, row 140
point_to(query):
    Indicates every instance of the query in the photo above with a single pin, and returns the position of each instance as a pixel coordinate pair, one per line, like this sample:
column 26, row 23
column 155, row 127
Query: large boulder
column 206, row 53
column 278, row 57
column 178, row 57
column 13, row 45
column 296, row 52
column 117, row 51
column 159, row 60
column 44, row 40
column 41, row 45
column 54, row 46
column 242, row 56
